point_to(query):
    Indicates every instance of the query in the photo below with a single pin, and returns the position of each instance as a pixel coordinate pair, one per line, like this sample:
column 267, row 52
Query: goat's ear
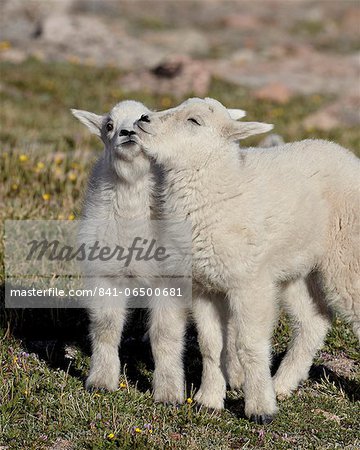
column 241, row 130
column 236, row 114
column 89, row 119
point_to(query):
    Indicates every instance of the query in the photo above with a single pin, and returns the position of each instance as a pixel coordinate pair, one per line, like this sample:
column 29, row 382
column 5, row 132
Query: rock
column 88, row 38
column 243, row 21
column 343, row 113
column 302, row 73
column 62, row 444
column 340, row 364
column 256, row 45
column 327, row 415
column 321, row 120
column 351, row 20
column 271, row 141
column 18, row 22
column 243, row 56
column 168, row 69
column 182, row 41
column 178, row 75
column 276, row 92
column 13, row 55
column 75, row 31
column 22, row 21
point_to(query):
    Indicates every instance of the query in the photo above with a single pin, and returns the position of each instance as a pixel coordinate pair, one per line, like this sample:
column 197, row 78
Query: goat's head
column 116, row 130
column 192, row 131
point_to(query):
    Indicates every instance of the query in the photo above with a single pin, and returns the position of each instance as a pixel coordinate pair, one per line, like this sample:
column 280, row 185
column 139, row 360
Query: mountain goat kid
column 119, row 189
column 263, row 220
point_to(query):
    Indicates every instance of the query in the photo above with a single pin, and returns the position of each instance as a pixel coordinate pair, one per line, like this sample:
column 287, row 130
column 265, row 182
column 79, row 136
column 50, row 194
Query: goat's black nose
column 126, row 132
column 145, row 118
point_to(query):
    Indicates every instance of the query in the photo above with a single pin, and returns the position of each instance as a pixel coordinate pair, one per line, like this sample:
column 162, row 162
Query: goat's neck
column 200, row 189
column 132, row 201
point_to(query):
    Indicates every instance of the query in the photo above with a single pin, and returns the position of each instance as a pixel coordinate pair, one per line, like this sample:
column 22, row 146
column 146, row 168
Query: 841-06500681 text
column 134, row 292
column 98, row 291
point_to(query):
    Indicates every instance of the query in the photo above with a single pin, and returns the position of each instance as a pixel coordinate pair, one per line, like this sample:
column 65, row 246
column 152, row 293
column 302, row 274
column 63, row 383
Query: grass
column 45, row 159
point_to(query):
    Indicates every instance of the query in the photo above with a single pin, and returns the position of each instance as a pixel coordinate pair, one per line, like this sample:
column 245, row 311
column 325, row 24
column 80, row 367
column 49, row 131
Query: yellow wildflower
column 123, row 385
column 71, row 216
column 15, row 359
column 277, row 112
column 4, row 45
column 116, row 93
column 49, row 85
column 46, row 197
column 189, row 401
column 40, row 165
column 14, row 187
column 111, row 436
column 137, row 430
column 59, row 158
column 316, row 98
column 23, row 158
column 72, row 176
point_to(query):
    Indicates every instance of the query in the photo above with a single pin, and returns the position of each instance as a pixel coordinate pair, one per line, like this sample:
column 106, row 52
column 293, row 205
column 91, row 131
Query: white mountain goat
column 266, row 222
column 120, row 187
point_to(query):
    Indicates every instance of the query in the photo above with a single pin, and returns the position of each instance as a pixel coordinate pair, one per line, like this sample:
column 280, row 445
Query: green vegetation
column 45, row 158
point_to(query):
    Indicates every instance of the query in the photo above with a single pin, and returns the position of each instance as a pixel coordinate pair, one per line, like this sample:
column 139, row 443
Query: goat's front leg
column 209, row 312
column 107, row 320
column 167, row 332
column 254, row 310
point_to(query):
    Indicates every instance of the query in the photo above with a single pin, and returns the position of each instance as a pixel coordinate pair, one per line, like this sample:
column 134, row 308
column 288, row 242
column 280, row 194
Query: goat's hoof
column 282, row 396
column 261, row 419
column 208, row 402
column 209, row 410
column 236, row 387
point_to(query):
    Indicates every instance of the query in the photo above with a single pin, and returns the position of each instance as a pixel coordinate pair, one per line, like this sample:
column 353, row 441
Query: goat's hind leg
column 254, row 309
column 303, row 300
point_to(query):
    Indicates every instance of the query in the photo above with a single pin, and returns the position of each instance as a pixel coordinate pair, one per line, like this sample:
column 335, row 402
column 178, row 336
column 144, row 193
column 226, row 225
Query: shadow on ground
column 47, row 332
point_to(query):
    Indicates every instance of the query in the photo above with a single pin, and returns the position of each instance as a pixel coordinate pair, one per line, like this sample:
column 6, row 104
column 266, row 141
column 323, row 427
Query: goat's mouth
column 129, row 142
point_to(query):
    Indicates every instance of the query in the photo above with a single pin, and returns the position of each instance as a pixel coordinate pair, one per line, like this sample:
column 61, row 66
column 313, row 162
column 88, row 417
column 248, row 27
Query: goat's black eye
column 194, row 121
column 109, row 126
column 145, row 118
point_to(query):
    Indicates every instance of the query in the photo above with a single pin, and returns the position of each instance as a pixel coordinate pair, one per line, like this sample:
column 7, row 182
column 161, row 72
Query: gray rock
column 184, row 41
column 343, row 113
column 178, row 75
